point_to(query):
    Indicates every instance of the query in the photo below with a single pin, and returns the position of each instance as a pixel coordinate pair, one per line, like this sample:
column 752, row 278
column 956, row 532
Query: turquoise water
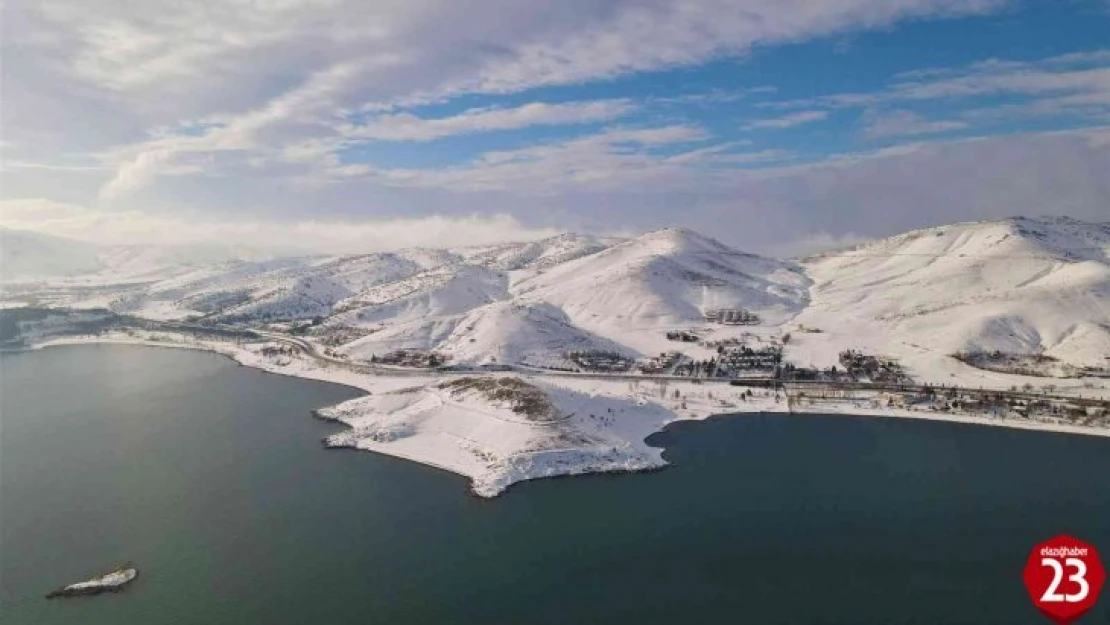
column 212, row 479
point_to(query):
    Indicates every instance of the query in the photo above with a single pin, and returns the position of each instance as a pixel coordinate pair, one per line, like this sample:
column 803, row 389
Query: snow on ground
column 596, row 426
column 115, row 578
column 1023, row 286
column 634, row 291
column 1026, row 286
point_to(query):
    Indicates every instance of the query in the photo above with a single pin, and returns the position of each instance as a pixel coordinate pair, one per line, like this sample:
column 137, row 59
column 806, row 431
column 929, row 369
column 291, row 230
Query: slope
column 29, row 255
column 667, row 278
column 1019, row 285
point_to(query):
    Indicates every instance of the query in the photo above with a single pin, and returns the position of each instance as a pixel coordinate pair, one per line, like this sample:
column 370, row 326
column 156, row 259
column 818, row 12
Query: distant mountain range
column 26, row 255
column 1018, row 285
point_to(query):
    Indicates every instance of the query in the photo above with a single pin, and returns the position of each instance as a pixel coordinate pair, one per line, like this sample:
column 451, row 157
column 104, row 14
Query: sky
column 777, row 126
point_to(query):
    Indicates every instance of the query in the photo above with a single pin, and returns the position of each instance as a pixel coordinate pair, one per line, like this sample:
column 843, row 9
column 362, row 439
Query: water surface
column 212, row 479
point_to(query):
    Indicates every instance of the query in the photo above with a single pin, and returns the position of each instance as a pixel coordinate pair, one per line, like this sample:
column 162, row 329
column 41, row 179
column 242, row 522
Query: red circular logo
column 1064, row 577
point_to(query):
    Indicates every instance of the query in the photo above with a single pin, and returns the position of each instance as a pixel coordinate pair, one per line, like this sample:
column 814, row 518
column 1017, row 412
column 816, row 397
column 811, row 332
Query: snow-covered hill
column 1019, row 286
column 27, row 256
column 30, row 255
column 638, row 288
column 535, row 255
column 1016, row 285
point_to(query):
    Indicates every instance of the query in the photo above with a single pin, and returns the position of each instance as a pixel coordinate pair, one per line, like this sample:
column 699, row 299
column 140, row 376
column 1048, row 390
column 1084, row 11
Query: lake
column 212, row 479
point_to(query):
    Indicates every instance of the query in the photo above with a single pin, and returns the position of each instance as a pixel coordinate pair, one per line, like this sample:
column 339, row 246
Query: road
column 305, row 347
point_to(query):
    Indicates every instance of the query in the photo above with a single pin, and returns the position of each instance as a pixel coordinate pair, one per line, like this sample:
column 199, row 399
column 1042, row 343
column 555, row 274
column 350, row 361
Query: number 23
column 1080, row 577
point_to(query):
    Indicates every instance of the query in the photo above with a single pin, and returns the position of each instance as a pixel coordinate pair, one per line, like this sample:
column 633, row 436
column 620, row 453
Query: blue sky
column 777, row 126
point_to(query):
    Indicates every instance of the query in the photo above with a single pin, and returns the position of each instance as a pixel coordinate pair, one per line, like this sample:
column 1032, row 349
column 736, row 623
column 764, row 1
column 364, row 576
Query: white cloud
column 1067, row 82
column 610, row 157
column 139, row 164
column 787, row 121
column 310, row 235
column 714, row 96
column 274, row 67
column 1010, row 78
column 137, row 173
column 409, row 127
column 818, row 242
column 605, row 183
column 257, row 95
column 667, row 34
column 906, row 123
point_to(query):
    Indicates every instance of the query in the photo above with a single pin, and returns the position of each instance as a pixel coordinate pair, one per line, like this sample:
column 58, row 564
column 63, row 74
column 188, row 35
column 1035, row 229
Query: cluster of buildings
column 271, row 350
column 858, row 365
column 663, row 363
column 732, row 316
column 410, row 358
column 600, row 361
column 996, row 404
column 738, row 358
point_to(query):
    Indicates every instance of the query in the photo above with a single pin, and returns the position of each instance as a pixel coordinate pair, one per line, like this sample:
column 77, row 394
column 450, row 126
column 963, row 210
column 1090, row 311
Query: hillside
column 29, row 255
column 635, row 290
column 1025, row 291
column 1020, row 285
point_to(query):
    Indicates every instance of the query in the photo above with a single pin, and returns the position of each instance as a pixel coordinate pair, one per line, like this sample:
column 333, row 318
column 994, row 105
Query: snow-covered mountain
column 1016, row 285
column 26, row 255
column 664, row 279
column 1019, row 286
column 537, row 254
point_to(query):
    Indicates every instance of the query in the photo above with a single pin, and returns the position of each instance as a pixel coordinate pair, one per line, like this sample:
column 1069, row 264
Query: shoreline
column 603, row 427
column 928, row 415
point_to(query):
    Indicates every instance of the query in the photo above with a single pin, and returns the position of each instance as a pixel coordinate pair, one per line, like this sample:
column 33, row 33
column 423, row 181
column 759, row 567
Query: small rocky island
column 112, row 581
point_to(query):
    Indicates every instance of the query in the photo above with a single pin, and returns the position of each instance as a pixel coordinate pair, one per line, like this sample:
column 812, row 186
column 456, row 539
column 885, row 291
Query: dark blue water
column 212, row 479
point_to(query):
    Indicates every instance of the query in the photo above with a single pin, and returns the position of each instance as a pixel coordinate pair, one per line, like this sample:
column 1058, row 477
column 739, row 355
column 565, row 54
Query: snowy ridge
column 535, row 255
column 633, row 291
column 1018, row 286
